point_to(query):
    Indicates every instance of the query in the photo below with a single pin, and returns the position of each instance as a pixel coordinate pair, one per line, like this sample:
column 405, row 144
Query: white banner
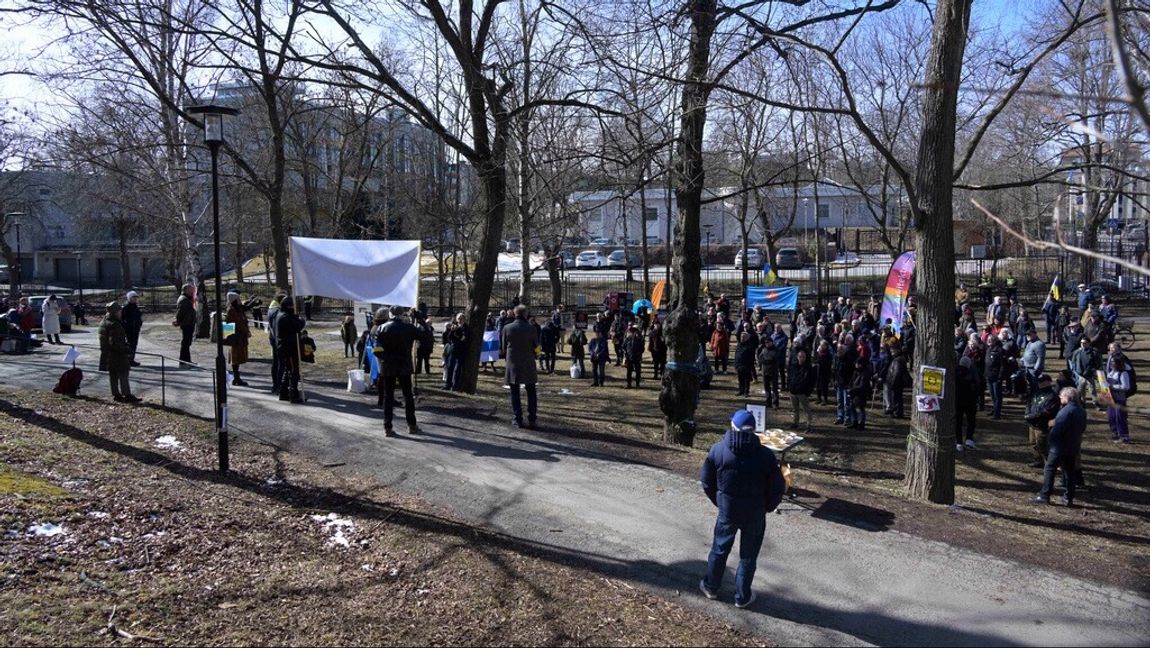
column 380, row 272
column 490, row 351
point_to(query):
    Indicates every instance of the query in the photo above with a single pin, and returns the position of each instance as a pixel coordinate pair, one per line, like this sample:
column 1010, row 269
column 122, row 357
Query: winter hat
column 233, row 296
column 112, row 307
column 131, row 294
column 743, row 420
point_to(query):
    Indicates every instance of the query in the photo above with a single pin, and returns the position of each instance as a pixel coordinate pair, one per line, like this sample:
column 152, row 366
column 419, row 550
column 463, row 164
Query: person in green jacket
column 116, row 354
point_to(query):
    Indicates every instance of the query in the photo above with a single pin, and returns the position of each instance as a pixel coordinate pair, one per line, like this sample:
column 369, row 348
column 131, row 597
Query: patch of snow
column 98, row 515
column 273, row 481
column 169, row 442
column 338, row 527
column 46, row 529
column 566, row 392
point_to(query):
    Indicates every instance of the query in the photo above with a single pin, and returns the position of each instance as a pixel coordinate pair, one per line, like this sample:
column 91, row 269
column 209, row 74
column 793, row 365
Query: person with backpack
column 742, row 478
column 1040, row 411
column 1123, row 384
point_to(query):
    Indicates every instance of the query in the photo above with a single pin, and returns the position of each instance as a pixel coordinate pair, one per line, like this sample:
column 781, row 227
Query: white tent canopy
column 378, row 272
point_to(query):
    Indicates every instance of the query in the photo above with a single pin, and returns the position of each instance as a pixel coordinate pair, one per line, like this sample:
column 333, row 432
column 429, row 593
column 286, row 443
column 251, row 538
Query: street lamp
column 214, row 118
column 19, row 269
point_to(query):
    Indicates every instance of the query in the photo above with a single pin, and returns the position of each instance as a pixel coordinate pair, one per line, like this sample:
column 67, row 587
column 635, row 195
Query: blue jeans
column 995, row 387
column 844, row 411
column 452, row 374
column 750, row 541
column 517, row 404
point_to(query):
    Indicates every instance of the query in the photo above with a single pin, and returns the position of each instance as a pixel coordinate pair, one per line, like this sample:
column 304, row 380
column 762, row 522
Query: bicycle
column 1124, row 334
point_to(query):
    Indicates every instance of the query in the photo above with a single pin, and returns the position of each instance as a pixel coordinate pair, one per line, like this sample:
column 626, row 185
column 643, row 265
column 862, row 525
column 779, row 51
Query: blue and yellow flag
column 769, row 276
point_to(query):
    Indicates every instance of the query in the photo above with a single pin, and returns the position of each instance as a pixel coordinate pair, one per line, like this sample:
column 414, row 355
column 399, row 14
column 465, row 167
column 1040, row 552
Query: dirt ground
column 850, row 476
column 857, row 477
column 150, row 545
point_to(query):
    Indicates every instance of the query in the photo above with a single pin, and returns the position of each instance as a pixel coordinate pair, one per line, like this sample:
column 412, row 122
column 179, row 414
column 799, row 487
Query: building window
column 651, row 214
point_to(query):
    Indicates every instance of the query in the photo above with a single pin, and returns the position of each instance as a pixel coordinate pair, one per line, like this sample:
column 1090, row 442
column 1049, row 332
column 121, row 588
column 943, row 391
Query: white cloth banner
column 490, row 351
column 379, row 272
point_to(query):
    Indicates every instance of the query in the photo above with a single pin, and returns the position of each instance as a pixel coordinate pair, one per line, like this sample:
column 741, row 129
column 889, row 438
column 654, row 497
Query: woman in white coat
column 51, row 319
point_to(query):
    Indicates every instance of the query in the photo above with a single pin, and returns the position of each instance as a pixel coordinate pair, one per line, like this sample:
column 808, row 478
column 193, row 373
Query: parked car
column 654, row 240
column 754, row 259
column 589, row 259
column 602, row 241
column 512, row 246
column 35, row 303
column 567, row 258
column 848, row 259
column 788, row 258
column 623, row 259
column 633, row 242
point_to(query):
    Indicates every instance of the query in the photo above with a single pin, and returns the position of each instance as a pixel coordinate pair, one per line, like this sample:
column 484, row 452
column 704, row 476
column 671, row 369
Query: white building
column 832, row 207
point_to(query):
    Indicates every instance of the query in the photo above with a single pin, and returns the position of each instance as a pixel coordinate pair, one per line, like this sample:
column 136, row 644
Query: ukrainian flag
column 769, row 276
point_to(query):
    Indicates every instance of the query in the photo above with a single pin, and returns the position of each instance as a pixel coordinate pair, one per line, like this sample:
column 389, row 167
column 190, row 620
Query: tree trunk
column 125, row 258
column 930, row 449
column 680, row 390
column 279, row 241
column 554, row 270
column 493, row 179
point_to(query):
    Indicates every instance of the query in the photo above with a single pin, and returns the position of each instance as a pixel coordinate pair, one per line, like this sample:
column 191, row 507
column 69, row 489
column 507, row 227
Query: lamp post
column 79, row 276
column 214, row 117
column 19, row 269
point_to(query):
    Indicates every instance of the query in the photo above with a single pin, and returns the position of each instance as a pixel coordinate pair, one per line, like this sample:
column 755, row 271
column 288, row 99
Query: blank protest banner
column 379, row 272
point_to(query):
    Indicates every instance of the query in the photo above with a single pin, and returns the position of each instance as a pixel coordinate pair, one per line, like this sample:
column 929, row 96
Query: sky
column 32, row 46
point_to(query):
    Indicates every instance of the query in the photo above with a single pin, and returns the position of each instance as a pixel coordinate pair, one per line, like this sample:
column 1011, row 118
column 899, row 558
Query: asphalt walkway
column 820, row 582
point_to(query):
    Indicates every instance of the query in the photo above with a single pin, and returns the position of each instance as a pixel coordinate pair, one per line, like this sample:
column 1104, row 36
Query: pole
column 221, row 371
column 19, row 262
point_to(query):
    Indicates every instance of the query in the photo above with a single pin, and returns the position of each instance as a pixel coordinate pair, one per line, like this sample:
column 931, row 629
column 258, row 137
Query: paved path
column 820, row 582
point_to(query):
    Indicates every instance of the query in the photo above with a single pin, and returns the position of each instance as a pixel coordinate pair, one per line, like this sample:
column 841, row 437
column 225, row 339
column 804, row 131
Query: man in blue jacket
column 743, row 479
column 1065, row 442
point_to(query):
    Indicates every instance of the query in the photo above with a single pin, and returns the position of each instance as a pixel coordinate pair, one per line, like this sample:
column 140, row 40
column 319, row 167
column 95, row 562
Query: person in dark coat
column 966, row 390
column 742, row 478
column 824, row 363
column 549, row 344
column 348, row 335
column 1065, row 444
column 456, row 339
column 633, row 355
column 600, row 355
column 843, row 366
column 801, row 380
column 745, row 362
column 394, row 339
column 578, row 342
column 860, row 392
column 769, row 368
column 618, row 332
column 186, row 320
column 657, row 345
column 994, row 371
column 133, row 320
column 277, row 366
column 1040, row 411
column 426, row 344
column 288, row 328
column 519, row 340
column 896, row 379
column 116, row 354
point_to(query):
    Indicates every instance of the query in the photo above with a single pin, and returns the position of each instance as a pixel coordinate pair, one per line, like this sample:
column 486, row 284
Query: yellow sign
column 932, row 380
